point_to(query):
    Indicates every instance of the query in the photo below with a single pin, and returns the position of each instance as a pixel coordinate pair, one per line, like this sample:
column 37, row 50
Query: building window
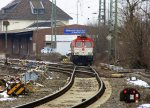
column 3, row 11
column 48, row 44
column 37, row 7
column 50, row 38
column 38, row 11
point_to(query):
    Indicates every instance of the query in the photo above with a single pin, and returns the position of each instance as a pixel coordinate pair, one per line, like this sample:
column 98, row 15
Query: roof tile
column 22, row 11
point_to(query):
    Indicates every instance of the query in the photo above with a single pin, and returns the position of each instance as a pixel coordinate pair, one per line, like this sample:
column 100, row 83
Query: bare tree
column 134, row 35
column 100, row 42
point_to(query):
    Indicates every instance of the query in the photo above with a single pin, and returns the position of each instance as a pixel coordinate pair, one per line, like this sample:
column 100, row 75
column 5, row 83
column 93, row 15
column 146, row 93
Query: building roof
column 26, row 10
column 59, row 30
column 17, row 31
column 45, row 24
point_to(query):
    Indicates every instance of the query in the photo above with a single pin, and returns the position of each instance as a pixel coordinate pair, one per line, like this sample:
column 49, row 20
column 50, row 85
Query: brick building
column 29, row 42
column 25, row 13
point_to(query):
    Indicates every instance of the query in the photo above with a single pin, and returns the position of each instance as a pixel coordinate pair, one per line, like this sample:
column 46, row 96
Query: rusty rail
column 95, row 97
column 50, row 97
column 66, row 88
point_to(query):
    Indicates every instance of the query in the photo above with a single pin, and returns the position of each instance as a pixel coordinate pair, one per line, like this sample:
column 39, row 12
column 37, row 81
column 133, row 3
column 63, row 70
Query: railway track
column 83, row 88
column 79, row 92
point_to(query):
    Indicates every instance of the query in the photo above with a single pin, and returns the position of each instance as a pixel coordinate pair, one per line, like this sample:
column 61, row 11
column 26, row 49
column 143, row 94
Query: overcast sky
column 86, row 8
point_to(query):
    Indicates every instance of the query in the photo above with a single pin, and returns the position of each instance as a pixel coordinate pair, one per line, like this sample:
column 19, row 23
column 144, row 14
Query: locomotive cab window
column 88, row 44
column 78, row 44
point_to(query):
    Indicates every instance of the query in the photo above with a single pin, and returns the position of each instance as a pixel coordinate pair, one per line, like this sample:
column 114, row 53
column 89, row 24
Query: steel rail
column 95, row 97
column 51, row 96
column 16, row 64
column 66, row 88
column 59, row 68
column 67, row 69
column 60, row 71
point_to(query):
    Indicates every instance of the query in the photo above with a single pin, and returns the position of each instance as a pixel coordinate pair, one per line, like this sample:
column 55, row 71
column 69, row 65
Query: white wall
column 63, row 42
column 21, row 24
column 1, row 25
column 65, row 22
column 18, row 24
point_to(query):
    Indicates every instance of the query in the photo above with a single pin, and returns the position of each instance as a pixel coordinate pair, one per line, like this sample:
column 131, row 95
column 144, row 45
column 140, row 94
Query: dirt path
column 104, row 97
column 83, row 88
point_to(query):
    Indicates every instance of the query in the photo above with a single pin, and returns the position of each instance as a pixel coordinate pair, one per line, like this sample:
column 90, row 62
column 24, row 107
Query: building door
column 16, row 44
column 23, row 46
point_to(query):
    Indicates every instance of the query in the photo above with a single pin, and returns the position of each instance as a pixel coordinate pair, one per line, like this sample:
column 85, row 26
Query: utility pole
column 77, row 11
column 113, row 25
column 53, row 24
column 115, row 30
column 101, row 17
column 6, row 24
column 37, row 27
column 102, row 12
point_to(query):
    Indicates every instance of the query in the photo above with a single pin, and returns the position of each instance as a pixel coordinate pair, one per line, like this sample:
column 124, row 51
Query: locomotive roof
column 84, row 38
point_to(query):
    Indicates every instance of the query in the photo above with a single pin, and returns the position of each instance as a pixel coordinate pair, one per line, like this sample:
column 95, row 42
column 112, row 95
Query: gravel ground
column 59, row 80
column 83, row 88
column 118, row 84
column 50, row 85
